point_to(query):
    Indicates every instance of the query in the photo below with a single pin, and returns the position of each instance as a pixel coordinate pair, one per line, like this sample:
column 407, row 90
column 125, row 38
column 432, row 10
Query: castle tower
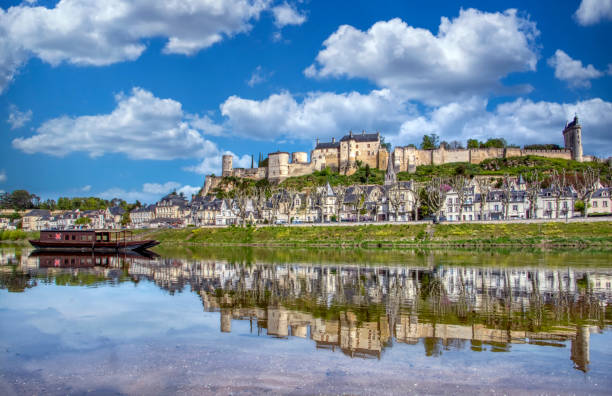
column 572, row 136
column 227, row 166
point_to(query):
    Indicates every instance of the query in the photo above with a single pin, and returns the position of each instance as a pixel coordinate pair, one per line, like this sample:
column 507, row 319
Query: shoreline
column 574, row 234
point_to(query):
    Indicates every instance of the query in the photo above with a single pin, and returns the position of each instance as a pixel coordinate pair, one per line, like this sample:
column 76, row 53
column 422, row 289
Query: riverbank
column 553, row 234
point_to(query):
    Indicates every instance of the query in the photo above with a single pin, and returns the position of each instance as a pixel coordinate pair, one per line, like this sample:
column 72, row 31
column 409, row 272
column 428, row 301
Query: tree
column 395, row 197
column 495, row 143
column 243, row 194
column 368, row 172
column 484, row 186
column 384, row 144
column 558, row 184
column 359, row 193
column 125, row 219
column 82, row 221
column 585, row 184
column 507, row 194
column 340, row 193
column 534, row 186
column 417, row 190
column 436, row 191
column 473, row 144
column 430, row 142
column 460, row 183
column 456, row 145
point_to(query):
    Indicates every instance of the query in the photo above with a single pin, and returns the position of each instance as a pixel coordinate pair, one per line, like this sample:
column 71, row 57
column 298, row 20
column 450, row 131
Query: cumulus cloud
column 95, row 32
column 211, row 164
column 86, row 188
column 318, row 114
column 571, row 70
column 591, row 12
column 520, row 122
column 3, row 176
column 286, row 14
column 150, row 192
column 469, row 55
column 17, row 118
column 141, row 126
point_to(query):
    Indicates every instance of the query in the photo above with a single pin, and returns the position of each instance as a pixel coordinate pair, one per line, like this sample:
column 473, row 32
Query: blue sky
column 136, row 98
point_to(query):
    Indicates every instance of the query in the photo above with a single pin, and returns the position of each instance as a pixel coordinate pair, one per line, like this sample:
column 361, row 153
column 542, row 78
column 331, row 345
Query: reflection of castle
column 360, row 310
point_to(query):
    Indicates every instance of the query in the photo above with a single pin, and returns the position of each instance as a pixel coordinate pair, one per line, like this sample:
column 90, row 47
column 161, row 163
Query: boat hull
column 95, row 246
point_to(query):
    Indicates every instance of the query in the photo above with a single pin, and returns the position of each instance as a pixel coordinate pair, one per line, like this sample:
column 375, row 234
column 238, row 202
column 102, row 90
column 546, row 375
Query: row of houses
column 41, row 219
column 373, row 203
column 393, row 201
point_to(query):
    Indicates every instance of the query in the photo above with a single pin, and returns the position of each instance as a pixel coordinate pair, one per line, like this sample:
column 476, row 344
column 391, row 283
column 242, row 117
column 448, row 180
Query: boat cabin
column 83, row 236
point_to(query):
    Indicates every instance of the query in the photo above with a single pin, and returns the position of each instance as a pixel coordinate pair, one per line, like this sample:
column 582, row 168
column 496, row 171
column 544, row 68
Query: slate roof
column 37, row 213
column 599, row 192
column 361, row 137
column 328, row 145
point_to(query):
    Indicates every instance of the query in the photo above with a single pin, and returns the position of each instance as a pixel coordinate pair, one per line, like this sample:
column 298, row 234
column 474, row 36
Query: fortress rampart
column 344, row 155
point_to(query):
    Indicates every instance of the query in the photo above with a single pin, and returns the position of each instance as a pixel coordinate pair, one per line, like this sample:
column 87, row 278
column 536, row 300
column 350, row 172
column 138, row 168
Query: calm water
column 303, row 321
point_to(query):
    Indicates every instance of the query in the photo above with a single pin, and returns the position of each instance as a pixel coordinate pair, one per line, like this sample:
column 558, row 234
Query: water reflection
column 362, row 310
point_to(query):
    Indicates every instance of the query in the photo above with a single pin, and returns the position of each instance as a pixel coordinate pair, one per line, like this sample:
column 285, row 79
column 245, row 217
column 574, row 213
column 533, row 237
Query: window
column 549, row 205
column 594, row 204
column 515, row 207
column 67, row 237
column 497, row 208
column 605, row 204
column 565, row 205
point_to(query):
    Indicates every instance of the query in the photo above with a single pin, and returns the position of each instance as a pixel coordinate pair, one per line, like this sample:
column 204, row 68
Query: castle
column 343, row 156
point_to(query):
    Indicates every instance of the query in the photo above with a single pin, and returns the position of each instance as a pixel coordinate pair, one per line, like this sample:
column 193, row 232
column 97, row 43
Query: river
column 300, row 321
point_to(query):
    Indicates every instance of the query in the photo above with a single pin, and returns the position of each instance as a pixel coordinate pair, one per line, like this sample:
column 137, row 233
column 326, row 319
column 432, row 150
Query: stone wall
column 563, row 154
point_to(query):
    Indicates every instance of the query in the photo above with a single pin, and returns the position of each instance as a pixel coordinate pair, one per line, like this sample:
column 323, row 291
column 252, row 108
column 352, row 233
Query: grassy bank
column 389, row 235
column 18, row 235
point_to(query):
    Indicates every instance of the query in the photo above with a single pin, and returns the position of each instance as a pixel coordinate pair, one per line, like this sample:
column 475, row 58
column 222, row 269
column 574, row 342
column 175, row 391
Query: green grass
column 392, row 235
column 500, row 166
column 18, row 235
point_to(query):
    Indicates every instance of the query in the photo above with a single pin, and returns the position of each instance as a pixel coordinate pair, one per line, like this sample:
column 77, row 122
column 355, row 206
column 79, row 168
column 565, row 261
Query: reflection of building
column 361, row 309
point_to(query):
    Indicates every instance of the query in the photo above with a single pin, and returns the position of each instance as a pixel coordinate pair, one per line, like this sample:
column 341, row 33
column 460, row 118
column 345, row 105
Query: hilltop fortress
column 344, row 155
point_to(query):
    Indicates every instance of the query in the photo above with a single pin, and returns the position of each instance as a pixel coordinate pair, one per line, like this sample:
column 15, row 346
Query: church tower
column 572, row 136
column 390, row 176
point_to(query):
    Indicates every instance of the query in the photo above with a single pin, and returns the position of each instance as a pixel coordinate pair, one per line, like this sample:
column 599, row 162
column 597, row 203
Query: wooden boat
column 91, row 240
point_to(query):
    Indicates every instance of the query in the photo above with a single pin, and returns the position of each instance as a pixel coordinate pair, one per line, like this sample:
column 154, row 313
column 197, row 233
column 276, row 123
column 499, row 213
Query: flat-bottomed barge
column 91, row 240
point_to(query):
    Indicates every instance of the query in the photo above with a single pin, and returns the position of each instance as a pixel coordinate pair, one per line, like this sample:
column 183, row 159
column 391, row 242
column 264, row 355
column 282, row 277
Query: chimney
column 363, row 131
column 351, row 133
column 317, row 141
column 333, row 140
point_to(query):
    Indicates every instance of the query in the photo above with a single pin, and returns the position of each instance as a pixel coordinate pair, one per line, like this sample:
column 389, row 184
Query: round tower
column 572, row 136
column 278, row 165
column 227, row 166
column 299, row 157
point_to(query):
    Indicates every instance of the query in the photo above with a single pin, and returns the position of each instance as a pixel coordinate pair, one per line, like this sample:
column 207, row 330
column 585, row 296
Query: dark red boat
column 90, row 240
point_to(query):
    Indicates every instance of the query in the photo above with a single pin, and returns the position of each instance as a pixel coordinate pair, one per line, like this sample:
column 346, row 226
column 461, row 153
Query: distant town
column 322, row 191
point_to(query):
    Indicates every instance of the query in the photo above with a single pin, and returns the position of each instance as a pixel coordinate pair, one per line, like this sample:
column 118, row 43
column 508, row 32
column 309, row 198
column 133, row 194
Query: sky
column 137, row 98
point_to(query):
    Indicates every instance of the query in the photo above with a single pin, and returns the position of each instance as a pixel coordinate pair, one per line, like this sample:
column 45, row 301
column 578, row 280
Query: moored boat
column 86, row 240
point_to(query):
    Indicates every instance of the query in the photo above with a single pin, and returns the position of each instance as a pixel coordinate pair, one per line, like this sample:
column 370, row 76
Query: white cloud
column 17, row 118
column 150, row 192
column 319, row 114
column 3, row 176
column 95, row 32
column 258, row 77
column 520, row 122
column 571, row 71
column 211, row 164
column 141, row 126
column 469, row 55
column 591, row 12
column 205, row 124
column 156, row 188
column 86, row 188
column 286, row 14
